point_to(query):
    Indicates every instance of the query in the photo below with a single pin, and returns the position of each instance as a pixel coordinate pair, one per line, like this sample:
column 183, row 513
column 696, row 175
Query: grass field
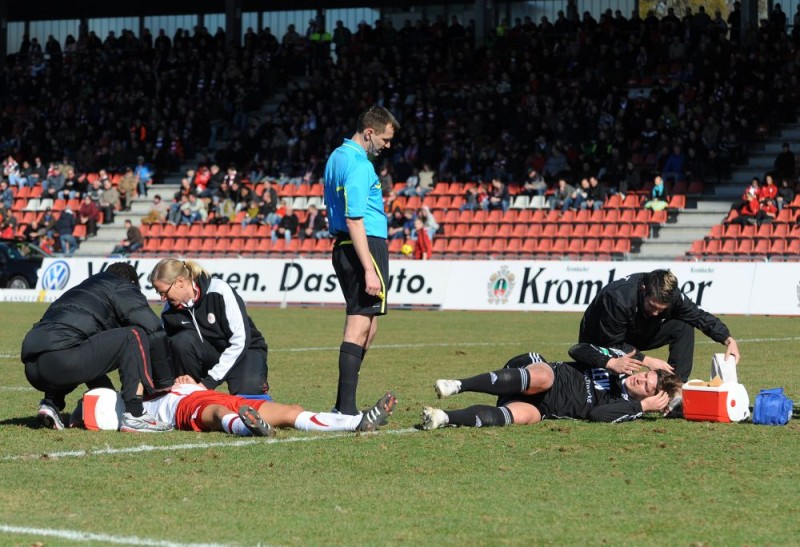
column 652, row 481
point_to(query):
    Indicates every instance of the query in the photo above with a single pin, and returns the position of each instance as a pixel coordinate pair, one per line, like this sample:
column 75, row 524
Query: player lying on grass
column 189, row 406
column 530, row 390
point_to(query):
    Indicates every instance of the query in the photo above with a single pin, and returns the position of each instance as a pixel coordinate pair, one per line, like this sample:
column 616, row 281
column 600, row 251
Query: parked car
column 20, row 262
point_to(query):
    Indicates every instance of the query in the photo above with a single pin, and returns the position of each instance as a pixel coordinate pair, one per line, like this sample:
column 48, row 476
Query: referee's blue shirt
column 353, row 190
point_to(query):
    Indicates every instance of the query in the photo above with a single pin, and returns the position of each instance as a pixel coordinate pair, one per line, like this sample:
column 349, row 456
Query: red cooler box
column 728, row 402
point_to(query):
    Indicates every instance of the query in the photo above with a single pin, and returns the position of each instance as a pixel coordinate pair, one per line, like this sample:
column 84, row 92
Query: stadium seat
column 732, row 231
column 659, row 217
column 729, row 247
column 778, row 230
column 538, row 202
column 454, row 246
column 580, row 230
column 513, row 247
column 716, row 232
column 696, row 248
column 544, row 246
column 622, row 246
column 485, row 246
column 613, row 201
column 640, row 231
column 591, row 246
column 744, row 247
column 748, row 232
column 777, row 247
column 534, row 231
column 549, row 230
column 761, row 247
column 468, row 247
column 712, row 247
column 439, row 246
column 564, row 231
column 519, row 230
column 520, row 202
column 235, row 245
column 559, row 246
column 610, row 230
column 611, row 216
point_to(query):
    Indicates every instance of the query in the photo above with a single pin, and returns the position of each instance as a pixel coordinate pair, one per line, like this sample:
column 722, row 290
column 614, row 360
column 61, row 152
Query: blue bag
column 772, row 407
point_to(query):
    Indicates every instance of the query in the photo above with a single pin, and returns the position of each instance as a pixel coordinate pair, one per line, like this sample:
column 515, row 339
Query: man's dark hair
column 125, row 271
column 668, row 382
column 662, row 286
column 376, row 117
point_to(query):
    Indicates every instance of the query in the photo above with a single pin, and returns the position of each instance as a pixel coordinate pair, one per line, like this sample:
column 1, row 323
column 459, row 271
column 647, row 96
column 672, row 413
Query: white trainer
column 446, row 388
column 433, row 418
column 142, row 424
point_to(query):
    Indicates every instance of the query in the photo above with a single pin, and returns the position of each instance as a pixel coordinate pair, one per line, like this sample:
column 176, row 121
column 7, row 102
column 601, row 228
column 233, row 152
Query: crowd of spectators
column 572, row 109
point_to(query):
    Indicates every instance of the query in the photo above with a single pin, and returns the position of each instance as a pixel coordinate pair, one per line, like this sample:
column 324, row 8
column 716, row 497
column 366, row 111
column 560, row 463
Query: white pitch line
column 17, row 388
column 467, row 344
column 192, row 446
column 75, row 535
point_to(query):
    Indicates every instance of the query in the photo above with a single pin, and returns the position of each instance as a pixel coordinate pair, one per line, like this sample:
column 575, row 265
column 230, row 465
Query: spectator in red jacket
column 423, row 249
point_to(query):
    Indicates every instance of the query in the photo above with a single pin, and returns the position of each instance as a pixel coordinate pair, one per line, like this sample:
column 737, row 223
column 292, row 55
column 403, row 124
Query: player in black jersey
column 531, row 389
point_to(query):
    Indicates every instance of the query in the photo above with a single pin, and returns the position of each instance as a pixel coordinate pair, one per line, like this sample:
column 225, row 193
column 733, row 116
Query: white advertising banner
column 718, row 287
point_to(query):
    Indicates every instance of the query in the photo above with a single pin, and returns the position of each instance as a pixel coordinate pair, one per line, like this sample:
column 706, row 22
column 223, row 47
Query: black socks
column 500, row 382
column 350, row 358
column 481, row 416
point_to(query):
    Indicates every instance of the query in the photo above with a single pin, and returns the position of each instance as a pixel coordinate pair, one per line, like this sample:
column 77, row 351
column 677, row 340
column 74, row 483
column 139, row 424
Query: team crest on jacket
column 500, row 285
column 212, row 318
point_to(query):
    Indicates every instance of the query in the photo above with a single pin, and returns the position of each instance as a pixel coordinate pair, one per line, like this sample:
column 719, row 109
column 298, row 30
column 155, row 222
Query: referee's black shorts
column 351, row 275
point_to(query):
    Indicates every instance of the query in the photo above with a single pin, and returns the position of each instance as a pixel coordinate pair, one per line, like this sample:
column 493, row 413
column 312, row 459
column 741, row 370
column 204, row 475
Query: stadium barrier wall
column 759, row 288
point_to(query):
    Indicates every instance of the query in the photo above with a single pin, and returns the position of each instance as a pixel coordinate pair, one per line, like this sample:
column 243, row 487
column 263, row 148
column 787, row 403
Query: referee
column 360, row 253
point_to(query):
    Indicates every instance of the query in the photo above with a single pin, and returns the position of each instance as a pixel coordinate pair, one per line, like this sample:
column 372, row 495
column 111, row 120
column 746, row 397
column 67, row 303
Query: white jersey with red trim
column 165, row 407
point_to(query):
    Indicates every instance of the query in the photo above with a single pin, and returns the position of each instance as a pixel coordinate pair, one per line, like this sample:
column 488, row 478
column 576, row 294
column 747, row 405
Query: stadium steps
column 672, row 240
column 760, row 160
column 109, row 235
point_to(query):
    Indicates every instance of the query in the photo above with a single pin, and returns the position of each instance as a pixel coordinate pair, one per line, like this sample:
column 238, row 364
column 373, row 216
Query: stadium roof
column 26, row 10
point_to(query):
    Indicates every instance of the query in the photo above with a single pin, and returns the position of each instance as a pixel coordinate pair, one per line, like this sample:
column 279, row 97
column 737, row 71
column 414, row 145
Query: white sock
column 326, row 421
column 233, row 424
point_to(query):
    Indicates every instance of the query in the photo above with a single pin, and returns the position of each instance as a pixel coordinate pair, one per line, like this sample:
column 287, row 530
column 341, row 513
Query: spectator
column 785, row 195
column 315, row 225
column 498, row 196
column 288, row 225
column 13, row 172
column 577, row 198
column 134, row 240
column 658, row 196
column 535, row 184
column 475, row 197
column 89, row 216
column 144, row 177
column 423, row 250
column 158, row 211
column 429, row 221
column 673, row 169
column 194, row 210
column 596, row 195
column 785, row 163
column 109, row 202
column 562, row 194
column 127, row 189
column 48, row 222
column 63, row 232
column 6, row 195
column 55, row 180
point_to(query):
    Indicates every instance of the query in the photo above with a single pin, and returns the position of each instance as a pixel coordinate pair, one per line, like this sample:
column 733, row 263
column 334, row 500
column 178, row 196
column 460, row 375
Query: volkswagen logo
column 56, row 276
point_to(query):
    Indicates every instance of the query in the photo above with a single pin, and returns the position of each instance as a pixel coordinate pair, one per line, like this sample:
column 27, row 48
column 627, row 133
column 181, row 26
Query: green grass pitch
column 653, row 481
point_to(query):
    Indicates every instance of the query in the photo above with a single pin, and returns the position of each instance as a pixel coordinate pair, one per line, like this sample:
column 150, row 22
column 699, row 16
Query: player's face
column 380, row 140
column 654, row 308
column 642, row 385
